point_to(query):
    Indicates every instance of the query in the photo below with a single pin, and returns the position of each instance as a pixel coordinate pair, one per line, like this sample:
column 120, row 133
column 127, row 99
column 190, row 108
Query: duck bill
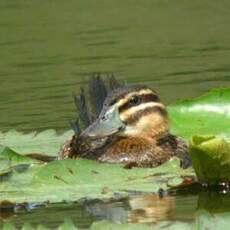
column 106, row 125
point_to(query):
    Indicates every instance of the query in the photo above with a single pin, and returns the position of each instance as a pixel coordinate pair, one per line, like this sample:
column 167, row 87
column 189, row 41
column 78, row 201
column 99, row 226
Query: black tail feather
column 97, row 92
column 98, row 89
column 114, row 83
column 83, row 108
column 75, row 126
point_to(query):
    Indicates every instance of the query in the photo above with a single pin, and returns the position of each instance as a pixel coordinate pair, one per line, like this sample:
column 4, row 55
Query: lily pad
column 205, row 115
column 67, row 225
column 10, row 160
column 5, row 167
column 15, row 158
column 70, row 180
column 47, row 142
column 211, row 158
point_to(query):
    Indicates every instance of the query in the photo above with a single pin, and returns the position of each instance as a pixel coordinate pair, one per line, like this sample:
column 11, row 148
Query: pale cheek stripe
column 125, row 115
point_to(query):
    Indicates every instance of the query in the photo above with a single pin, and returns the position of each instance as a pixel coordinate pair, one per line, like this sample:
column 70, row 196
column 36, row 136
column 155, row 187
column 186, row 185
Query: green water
column 141, row 209
column 207, row 210
column 49, row 48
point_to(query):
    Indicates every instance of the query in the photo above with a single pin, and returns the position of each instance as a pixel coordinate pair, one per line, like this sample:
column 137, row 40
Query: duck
column 131, row 127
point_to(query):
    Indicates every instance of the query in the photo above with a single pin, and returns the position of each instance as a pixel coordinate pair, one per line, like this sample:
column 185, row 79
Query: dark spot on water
column 70, row 171
column 61, row 179
column 154, row 175
column 162, row 192
column 6, row 209
column 131, row 178
column 22, row 167
column 94, row 172
column 6, row 176
column 41, row 157
column 6, row 204
column 159, row 174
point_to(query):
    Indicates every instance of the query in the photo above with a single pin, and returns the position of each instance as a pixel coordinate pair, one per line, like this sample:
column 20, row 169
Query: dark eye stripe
column 143, row 98
column 136, row 116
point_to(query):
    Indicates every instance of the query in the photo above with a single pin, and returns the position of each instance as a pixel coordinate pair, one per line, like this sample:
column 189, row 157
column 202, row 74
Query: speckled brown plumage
column 129, row 151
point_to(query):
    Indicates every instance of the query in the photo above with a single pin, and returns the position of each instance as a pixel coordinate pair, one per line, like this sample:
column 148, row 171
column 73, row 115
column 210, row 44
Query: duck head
column 130, row 111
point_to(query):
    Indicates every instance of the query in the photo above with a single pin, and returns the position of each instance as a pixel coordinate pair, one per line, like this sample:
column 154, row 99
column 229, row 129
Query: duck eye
column 134, row 100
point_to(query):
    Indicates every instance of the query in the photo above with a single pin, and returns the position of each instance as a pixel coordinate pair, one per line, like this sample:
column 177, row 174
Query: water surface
column 49, row 48
column 149, row 209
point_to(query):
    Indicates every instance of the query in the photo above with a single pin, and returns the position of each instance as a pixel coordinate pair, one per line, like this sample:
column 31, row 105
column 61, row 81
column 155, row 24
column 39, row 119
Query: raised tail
column 88, row 106
column 90, row 102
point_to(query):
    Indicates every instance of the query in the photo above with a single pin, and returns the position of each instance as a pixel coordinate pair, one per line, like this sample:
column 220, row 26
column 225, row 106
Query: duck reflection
column 204, row 209
column 151, row 208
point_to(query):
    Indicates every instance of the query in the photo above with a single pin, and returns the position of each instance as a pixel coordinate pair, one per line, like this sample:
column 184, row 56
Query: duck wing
column 176, row 146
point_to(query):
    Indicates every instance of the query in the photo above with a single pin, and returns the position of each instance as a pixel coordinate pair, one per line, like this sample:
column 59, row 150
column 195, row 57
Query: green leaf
column 68, row 225
column 5, row 167
column 27, row 226
column 9, row 226
column 15, row 158
column 206, row 115
column 46, row 142
column 70, row 180
column 10, row 160
column 41, row 227
column 211, row 158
